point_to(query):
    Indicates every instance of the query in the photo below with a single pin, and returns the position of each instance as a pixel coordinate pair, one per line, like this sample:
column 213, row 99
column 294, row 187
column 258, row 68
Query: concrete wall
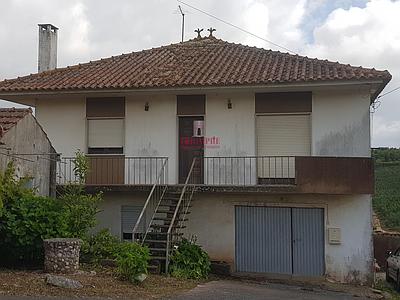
column 351, row 261
column 110, row 210
column 341, row 122
column 153, row 132
column 234, row 127
column 64, row 121
column 24, row 138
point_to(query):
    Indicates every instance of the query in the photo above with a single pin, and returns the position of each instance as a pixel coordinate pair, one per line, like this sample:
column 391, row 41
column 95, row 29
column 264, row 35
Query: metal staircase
column 168, row 218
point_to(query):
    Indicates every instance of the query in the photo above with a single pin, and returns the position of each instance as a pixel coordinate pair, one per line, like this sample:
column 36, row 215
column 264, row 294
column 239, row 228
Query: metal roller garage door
column 279, row 240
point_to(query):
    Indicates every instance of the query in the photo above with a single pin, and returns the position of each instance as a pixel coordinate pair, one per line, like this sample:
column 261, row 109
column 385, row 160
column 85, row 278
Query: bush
column 102, row 245
column 80, row 209
column 25, row 221
column 189, row 261
column 132, row 260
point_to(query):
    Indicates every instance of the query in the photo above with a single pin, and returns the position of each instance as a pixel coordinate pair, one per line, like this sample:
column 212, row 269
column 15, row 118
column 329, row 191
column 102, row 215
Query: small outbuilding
column 23, row 141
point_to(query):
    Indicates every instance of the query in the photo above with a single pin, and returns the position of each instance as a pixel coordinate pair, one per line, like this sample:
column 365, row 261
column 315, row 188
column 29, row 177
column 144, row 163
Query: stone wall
column 61, row 255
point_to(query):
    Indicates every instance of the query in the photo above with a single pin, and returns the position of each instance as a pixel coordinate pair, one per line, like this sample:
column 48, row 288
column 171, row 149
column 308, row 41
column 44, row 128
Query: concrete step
column 165, row 226
column 155, row 241
column 163, row 233
column 168, row 219
column 157, row 258
column 158, row 249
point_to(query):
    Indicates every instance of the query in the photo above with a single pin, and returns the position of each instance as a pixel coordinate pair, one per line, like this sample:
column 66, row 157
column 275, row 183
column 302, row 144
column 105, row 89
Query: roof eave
column 381, row 82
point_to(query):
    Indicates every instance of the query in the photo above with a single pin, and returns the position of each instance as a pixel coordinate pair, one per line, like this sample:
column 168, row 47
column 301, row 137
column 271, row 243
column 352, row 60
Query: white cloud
column 90, row 29
column 77, row 40
column 387, row 133
column 369, row 37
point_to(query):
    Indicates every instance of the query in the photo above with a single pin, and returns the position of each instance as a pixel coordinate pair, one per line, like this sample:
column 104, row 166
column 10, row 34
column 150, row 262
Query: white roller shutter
column 105, row 133
column 282, row 135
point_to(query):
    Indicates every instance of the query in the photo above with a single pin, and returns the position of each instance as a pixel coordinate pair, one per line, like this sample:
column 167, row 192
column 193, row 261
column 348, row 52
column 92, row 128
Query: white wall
column 351, row 261
column 340, row 125
column 64, row 121
column 153, row 132
column 235, row 129
column 110, row 210
column 341, row 122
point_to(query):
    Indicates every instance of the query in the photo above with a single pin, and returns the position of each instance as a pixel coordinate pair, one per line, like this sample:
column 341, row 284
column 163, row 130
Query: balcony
column 114, row 170
column 291, row 174
column 272, row 174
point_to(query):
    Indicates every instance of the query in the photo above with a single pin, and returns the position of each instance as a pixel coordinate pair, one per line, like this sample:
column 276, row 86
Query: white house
column 269, row 152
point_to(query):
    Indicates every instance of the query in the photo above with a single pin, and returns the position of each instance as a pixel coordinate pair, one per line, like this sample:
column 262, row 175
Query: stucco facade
column 212, row 221
column 339, row 127
column 340, row 124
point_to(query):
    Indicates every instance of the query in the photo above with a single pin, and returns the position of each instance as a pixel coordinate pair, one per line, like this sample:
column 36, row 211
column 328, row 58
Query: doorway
column 191, row 145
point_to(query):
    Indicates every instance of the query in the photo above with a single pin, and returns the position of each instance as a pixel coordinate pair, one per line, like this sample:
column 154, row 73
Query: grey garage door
column 279, row 240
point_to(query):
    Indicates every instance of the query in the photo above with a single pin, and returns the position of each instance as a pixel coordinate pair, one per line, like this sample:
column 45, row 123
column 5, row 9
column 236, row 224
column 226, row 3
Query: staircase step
column 164, row 226
column 157, row 257
column 158, row 249
column 172, row 198
column 171, row 212
column 155, row 241
column 163, row 233
column 168, row 219
column 168, row 205
column 152, row 266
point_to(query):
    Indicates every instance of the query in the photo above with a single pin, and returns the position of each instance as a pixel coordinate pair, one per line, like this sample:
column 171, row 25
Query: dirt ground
column 103, row 284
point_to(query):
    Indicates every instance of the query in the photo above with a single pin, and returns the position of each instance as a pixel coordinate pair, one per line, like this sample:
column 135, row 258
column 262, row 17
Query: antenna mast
column 183, row 21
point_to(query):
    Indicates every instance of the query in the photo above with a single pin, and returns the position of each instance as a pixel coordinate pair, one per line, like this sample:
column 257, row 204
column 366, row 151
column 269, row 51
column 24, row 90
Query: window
column 105, row 136
column 105, row 123
column 129, row 216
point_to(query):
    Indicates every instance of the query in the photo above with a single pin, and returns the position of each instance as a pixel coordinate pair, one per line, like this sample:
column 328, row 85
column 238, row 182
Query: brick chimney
column 47, row 47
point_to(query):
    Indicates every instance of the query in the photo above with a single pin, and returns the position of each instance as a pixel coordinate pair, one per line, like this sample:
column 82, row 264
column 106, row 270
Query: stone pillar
column 61, row 255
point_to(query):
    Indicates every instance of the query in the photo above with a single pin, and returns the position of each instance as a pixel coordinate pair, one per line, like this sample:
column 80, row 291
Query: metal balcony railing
column 115, row 170
column 249, row 170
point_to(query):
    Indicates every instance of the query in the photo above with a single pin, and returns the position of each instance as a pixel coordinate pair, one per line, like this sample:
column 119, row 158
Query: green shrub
column 79, row 210
column 102, row 245
column 189, row 261
column 132, row 260
column 27, row 219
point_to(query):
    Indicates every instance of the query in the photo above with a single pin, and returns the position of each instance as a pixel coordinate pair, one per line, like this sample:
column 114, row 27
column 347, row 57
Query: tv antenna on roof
column 183, row 21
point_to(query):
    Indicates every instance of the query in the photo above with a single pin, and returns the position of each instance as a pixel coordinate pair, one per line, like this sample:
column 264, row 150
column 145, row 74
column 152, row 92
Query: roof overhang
column 29, row 97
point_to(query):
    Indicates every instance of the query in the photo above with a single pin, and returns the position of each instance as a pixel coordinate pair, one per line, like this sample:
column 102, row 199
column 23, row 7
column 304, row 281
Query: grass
column 386, row 201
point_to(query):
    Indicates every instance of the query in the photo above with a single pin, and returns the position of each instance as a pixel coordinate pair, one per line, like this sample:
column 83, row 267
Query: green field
column 386, row 201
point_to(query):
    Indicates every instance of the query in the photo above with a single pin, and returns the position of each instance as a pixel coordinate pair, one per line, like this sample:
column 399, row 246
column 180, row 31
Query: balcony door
column 191, row 145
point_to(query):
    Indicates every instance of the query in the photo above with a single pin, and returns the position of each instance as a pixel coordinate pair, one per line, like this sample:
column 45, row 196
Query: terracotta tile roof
column 200, row 62
column 9, row 117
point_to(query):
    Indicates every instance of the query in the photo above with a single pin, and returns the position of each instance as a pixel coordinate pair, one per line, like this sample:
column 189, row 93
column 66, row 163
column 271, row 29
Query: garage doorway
column 280, row 240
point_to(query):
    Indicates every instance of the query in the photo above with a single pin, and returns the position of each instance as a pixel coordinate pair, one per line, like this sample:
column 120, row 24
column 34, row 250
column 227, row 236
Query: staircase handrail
column 171, row 225
column 149, row 197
